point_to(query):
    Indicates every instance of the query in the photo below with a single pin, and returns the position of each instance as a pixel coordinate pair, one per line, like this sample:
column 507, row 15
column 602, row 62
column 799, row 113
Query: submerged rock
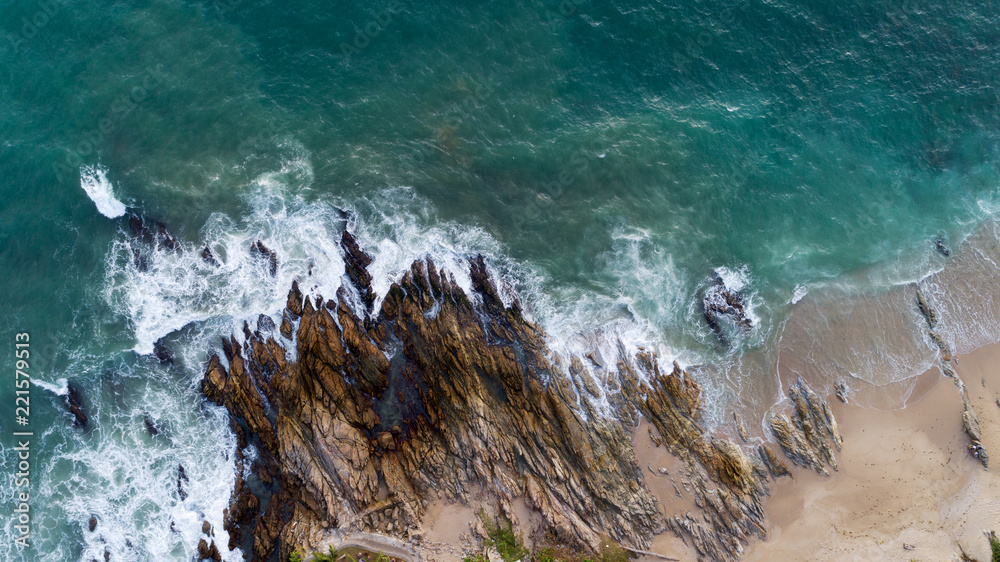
column 942, row 247
column 154, row 233
column 150, row 425
column 441, row 393
column 74, row 403
column 209, row 257
column 163, row 353
column 182, row 479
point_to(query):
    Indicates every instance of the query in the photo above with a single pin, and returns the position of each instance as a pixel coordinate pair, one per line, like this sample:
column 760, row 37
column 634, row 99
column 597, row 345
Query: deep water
column 610, row 158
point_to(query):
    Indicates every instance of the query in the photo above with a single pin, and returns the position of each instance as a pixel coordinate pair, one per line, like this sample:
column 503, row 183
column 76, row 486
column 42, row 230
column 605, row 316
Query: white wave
column 800, row 292
column 123, row 476
column 735, row 279
column 60, row 388
column 177, row 289
column 965, row 293
column 94, row 181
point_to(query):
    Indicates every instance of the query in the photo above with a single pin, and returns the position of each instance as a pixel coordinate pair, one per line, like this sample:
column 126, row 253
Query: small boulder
column 150, row 426
column 74, row 403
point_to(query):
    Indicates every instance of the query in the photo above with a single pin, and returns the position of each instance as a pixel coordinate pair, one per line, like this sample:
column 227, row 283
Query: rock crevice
column 440, row 393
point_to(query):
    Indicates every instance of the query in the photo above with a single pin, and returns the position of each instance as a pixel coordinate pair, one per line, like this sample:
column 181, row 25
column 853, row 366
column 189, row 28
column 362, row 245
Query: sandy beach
column 907, row 488
column 905, row 479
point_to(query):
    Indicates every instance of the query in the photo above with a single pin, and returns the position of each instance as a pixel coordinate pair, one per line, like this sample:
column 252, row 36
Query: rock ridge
column 443, row 394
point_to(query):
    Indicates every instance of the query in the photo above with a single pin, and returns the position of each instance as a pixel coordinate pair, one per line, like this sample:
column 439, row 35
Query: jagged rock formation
column 970, row 420
column 440, row 393
column 269, row 256
column 805, row 438
column 724, row 304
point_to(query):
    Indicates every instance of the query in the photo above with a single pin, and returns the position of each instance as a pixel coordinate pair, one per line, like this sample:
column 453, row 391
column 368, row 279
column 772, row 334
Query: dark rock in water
column 181, row 479
column 150, row 426
column 107, row 555
column 265, row 325
column 93, row 523
column 209, row 257
column 163, row 353
column 173, row 527
column 356, row 262
column 153, row 233
column 74, row 403
column 206, row 552
column 206, row 528
column 260, row 250
column 445, row 394
column 139, row 260
column 724, row 304
column 942, row 247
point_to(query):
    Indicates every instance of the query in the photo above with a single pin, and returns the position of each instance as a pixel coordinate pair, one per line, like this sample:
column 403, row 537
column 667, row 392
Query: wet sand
column 906, row 478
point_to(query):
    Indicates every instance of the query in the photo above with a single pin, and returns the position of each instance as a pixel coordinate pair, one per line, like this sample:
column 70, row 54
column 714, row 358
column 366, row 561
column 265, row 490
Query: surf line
column 22, row 417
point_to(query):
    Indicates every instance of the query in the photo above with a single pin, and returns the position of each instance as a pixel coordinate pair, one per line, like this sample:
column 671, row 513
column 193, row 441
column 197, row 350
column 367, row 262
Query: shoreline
column 905, row 479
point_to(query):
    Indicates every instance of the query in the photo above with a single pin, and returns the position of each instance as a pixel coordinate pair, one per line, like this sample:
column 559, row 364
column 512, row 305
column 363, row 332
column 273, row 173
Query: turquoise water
column 608, row 157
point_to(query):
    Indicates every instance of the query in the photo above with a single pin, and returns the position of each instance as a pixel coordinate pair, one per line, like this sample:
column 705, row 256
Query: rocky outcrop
column 267, row 255
column 74, row 403
column 356, row 263
column 440, row 393
column 970, row 420
column 722, row 304
column 806, row 436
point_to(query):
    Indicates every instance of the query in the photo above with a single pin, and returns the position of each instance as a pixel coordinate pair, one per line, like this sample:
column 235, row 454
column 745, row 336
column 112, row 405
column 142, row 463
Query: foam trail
column 94, row 180
column 60, row 388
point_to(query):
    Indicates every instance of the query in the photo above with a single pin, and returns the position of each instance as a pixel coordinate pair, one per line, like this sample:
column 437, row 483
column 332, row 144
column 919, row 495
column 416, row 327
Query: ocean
column 610, row 159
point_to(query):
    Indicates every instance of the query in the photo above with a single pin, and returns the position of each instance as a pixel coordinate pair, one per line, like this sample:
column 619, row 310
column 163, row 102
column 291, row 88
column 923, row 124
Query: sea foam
column 94, row 181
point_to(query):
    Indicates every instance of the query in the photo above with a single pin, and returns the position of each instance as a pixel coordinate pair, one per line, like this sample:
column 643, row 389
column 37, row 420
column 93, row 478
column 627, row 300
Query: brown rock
column 437, row 394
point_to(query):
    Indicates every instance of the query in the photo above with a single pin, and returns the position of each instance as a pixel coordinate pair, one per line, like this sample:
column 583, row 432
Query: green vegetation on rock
column 501, row 536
